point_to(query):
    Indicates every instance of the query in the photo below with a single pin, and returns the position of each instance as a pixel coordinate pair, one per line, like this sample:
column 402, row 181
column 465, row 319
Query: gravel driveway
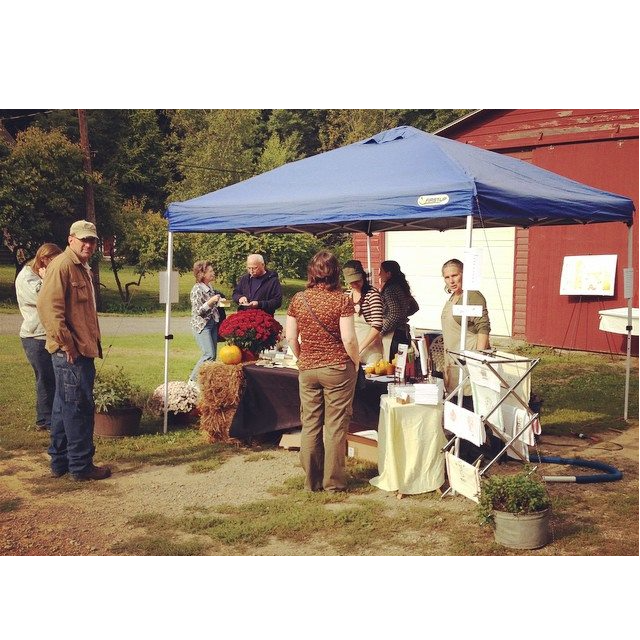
column 124, row 325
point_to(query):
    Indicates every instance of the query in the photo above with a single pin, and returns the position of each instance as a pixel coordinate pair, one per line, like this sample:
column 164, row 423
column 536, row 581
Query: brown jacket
column 66, row 307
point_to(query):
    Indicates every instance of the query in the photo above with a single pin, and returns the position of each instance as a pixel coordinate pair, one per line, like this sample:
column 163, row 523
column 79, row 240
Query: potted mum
column 251, row 331
column 182, row 401
column 518, row 507
column 118, row 404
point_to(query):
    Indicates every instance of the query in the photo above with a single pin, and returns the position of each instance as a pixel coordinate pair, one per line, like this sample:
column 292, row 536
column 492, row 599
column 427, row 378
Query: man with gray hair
column 259, row 288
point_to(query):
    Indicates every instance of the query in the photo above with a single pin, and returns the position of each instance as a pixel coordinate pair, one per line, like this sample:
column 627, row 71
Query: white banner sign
column 175, row 296
column 472, row 310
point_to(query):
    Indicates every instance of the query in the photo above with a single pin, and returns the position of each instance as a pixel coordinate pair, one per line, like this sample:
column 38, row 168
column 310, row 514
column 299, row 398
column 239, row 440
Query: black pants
column 400, row 336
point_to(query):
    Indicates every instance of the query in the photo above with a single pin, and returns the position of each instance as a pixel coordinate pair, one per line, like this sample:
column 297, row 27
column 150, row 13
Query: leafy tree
column 277, row 152
column 305, row 123
column 41, row 191
column 129, row 149
column 214, row 148
column 345, row 126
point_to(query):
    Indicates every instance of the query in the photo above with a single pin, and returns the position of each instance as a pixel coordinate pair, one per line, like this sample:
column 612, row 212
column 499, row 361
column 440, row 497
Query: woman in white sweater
column 32, row 333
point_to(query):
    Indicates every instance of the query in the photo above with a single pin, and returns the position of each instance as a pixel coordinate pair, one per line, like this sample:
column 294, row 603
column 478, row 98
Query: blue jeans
column 40, row 359
column 71, row 447
column 207, row 340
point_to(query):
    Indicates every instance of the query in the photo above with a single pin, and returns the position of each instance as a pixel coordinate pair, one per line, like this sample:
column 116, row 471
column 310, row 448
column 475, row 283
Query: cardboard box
column 363, row 445
column 291, row 440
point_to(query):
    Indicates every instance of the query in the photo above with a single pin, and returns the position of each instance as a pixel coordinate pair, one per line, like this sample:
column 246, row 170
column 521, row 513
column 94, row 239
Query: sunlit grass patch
column 257, row 457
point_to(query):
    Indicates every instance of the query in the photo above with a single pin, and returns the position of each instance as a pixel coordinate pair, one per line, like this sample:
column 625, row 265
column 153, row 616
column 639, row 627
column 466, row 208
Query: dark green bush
column 520, row 493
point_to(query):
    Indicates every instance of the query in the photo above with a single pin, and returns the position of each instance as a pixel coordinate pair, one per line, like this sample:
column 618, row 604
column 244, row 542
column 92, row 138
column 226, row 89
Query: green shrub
column 113, row 389
column 520, row 493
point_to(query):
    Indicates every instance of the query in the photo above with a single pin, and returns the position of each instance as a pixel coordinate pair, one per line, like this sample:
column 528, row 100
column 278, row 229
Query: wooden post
column 88, row 193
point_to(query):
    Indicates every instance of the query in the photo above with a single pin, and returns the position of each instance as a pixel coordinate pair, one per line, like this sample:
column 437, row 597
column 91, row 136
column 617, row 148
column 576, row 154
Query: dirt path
column 45, row 516
column 90, row 518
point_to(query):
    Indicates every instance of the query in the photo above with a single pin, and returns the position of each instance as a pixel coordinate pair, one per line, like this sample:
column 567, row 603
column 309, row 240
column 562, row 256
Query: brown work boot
column 94, row 473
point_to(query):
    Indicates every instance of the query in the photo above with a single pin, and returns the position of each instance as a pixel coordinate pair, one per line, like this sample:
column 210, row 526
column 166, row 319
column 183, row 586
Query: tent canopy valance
column 399, row 179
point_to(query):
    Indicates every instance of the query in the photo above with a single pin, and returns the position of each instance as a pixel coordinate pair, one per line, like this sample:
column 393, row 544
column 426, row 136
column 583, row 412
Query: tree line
column 143, row 159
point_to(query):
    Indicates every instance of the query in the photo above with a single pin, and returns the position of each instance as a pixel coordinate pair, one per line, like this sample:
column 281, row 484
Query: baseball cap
column 83, row 229
column 351, row 275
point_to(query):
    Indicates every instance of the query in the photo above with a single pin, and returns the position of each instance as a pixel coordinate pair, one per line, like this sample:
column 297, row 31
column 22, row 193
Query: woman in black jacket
column 398, row 305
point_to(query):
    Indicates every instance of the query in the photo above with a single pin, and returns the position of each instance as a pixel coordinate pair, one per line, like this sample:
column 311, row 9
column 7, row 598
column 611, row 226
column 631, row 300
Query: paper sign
column 463, row 477
column 628, row 283
column 472, row 310
column 588, row 275
column 401, row 362
column 175, row 297
column 472, row 269
column 463, row 423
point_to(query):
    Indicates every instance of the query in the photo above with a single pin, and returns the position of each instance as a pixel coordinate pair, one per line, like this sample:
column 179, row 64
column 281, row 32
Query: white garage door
column 421, row 255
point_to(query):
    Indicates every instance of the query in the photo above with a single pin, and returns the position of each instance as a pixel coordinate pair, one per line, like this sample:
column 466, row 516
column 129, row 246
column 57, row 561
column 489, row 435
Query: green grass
column 145, row 297
column 582, row 392
column 140, row 356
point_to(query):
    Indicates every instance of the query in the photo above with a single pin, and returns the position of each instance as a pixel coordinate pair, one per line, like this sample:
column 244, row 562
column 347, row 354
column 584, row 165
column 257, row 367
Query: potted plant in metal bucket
column 118, row 404
column 518, row 506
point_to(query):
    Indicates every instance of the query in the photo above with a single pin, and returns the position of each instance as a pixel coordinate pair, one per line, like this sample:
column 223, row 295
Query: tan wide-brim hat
column 351, row 275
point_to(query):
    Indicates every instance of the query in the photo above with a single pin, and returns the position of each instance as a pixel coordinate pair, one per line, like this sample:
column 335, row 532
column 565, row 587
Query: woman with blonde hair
column 322, row 316
column 206, row 315
column 32, row 332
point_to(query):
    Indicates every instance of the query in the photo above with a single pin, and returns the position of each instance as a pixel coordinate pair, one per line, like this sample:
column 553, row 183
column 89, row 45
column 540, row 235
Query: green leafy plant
column 520, row 493
column 113, row 389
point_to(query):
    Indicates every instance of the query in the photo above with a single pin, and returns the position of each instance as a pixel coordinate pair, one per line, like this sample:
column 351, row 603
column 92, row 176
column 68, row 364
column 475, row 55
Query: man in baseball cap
column 67, row 308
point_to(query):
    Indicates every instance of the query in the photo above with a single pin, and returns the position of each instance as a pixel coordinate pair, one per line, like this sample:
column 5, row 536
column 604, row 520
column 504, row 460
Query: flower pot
column 522, row 531
column 249, row 356
column 183, row 418
column 118, row 423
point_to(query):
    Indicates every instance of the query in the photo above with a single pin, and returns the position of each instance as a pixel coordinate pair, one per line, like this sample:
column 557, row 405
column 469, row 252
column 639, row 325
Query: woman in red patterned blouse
column 322, row 316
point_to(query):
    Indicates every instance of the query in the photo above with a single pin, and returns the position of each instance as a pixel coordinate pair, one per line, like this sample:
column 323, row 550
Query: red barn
column 598, row 147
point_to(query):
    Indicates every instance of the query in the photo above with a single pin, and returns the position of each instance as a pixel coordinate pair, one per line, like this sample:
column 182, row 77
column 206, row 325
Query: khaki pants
column 326, row 398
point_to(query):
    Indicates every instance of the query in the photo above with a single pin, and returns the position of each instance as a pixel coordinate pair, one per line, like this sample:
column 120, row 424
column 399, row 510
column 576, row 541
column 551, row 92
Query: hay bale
column 222, row 386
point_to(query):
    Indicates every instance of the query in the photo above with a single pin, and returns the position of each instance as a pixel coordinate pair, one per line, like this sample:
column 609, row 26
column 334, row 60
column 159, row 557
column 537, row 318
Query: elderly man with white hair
column 259, row 288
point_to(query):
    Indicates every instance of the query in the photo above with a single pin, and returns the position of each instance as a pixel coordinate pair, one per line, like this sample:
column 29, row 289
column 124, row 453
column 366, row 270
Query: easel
column 493, row 363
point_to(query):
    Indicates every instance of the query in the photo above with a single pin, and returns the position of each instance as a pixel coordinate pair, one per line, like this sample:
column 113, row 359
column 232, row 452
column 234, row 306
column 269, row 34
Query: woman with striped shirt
column 368, row 307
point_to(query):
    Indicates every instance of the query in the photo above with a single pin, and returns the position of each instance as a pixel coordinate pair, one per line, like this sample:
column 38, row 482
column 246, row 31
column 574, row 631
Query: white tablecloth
column 410, row 438
column 615, row 320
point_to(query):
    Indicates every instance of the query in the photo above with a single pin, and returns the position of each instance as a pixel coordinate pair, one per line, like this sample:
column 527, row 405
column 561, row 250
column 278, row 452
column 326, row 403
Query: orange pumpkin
column 230, row 354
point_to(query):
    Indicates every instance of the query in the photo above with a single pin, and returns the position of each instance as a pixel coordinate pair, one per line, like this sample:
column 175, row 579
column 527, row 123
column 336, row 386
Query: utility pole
column 88, row 193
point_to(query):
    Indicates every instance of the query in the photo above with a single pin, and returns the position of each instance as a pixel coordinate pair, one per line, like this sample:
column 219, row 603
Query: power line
column 27, row 115
column 219, row 169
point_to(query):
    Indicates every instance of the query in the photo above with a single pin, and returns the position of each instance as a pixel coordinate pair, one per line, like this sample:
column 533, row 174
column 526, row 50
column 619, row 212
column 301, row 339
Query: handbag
column 361, row 380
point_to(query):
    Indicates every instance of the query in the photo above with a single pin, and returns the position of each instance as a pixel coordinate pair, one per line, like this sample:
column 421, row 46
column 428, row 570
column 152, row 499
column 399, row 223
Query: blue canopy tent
column 400, row 179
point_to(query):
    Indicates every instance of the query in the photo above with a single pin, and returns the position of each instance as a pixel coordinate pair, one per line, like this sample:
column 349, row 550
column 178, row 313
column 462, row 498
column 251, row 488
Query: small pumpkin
column 231, row 354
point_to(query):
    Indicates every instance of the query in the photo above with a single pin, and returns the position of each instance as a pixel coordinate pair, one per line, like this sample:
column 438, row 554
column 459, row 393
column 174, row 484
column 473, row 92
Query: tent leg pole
column 629, row 321
column 463, row 326
column 167, row 329
column 369, row 257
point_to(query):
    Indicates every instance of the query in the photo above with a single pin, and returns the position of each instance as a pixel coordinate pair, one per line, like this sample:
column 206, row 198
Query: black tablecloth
column 271, row 402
